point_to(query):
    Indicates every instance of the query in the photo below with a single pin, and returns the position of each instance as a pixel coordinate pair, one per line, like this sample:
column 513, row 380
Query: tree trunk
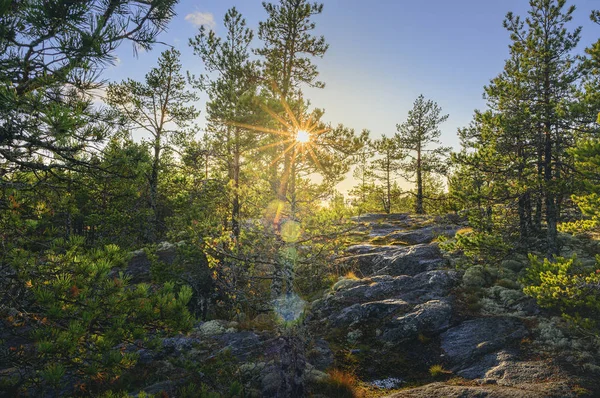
column 540, row 194
column 551, row 210
column 292, row 188
column 388, row 207
column 284, row 181
column 523, row 201
column 153, row 183
column 236, row 208
column 551, row 213
column 419, row 207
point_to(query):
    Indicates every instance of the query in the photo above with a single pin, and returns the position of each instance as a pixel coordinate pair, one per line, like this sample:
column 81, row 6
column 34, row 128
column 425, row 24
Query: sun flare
column 302, row 136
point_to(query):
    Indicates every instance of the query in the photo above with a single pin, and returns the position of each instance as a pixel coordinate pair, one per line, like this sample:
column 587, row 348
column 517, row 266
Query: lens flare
column 290, row 231
column 289, row 253
column 289, row 307
column 274, row 210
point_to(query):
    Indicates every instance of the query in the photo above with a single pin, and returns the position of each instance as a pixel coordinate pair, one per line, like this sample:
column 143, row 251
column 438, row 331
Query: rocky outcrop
column 429, row 318
column 405, row 291
column 403, row 315
column 443, row 390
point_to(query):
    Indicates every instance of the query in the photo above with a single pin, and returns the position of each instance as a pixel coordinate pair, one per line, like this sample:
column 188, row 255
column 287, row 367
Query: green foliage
column 289, row 44
column 587, row 161
column 193, row 391
column 189, row 272
column 363, row 174
column 231, row 107
column 566, row 285
column 53, row 373
column 578, row 227
column 161, row 107
column 46, row 104
column 478, row 247
column 516, row 151
column 243, row 203
column 386, row 167
column 84, row 310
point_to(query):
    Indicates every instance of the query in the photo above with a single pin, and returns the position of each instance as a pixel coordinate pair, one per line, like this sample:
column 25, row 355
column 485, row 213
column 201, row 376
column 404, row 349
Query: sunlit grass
column 351, row 275
column 438, row 370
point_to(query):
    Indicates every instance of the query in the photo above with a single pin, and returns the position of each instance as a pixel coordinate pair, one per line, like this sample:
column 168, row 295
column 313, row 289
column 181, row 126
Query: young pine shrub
column 567, row 286
column 85, row 314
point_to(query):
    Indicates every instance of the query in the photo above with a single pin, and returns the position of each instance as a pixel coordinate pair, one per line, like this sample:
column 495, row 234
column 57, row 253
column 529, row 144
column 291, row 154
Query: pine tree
column 289, row 47
column 545, row 47
column 587, row 151
column 51, row 55
column 362, row 171
column 160, row 107
column 230, row 103
column 386, row 167
column 521, row 142
column 420, row 130
column 328, row 154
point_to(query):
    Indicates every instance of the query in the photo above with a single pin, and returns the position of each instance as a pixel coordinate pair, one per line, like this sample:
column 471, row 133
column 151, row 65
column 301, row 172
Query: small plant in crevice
column 438, row 371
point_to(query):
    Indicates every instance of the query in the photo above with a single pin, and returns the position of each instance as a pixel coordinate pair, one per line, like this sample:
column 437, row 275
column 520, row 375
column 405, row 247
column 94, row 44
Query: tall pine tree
column 420, row 130
column 287, row 63
column 230, row 94
column 161, row 108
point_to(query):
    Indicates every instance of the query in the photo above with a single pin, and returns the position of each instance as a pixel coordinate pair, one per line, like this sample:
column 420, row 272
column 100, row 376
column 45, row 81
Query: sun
column 302, row 136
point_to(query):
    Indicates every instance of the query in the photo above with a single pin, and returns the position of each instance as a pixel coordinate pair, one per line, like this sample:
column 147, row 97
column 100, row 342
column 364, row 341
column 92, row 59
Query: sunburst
column 300, row 135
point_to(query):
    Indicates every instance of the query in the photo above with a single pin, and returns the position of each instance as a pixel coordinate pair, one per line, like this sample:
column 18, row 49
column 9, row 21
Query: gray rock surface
column 396, row 260
column 423, row 235
column 442, row 390
column 429, row 318
column 138, row 267
column 465, row 344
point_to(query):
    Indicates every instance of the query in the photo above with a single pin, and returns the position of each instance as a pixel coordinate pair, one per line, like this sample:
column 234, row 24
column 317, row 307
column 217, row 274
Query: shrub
column 566, row 285
column 477, row 276
column 578, row 227
column 477, row 247
column 82, row 313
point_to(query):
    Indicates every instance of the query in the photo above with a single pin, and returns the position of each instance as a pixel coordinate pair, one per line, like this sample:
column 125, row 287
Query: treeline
column 73, row 168
column 527, row 174
column 522, row 155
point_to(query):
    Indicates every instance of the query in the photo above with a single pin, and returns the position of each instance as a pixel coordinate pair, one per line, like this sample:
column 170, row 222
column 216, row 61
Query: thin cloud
column 201, row 19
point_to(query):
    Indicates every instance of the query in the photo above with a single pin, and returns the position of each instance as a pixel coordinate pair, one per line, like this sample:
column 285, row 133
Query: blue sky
column 382, row 54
